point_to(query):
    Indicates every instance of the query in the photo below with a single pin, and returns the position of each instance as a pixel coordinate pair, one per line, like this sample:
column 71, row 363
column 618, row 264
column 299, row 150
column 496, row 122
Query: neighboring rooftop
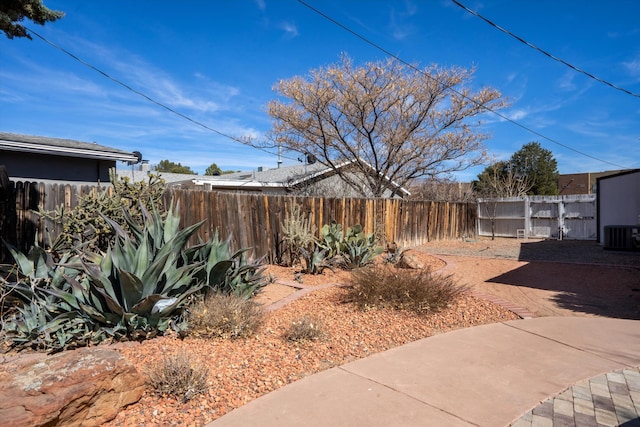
column 62, row 147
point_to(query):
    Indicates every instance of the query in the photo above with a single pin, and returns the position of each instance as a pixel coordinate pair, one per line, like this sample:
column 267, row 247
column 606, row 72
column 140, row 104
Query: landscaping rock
column 85, row 387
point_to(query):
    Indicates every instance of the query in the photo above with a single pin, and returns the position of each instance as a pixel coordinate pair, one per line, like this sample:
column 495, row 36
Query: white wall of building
column 618, row 201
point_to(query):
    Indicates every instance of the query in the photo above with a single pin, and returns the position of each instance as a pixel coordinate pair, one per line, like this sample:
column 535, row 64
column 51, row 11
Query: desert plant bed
column 240, row 370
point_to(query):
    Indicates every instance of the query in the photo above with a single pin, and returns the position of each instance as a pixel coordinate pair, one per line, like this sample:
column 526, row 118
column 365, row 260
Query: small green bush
column 224, row 316
column 178, row 375
column 307, row 328
column 420, row 291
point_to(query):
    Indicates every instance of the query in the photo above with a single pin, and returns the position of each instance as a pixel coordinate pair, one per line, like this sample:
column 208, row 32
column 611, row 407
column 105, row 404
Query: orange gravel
column 242, row 370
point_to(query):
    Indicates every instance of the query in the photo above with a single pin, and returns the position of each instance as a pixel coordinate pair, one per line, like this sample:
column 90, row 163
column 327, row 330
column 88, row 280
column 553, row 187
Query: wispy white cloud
column 262, row 5
column 566, row 81
column 517, row 114
column 86, row 106
column 399, row 23
column 140, row 75
column 290, row 29
column 633, row 67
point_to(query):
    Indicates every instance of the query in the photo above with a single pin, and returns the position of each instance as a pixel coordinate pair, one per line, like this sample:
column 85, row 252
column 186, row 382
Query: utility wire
column 148, row 98
column 502, row 116
column 544, row 52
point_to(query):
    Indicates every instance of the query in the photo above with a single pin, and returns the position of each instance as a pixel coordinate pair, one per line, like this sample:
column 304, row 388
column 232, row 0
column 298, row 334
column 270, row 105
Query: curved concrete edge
column 485, row 376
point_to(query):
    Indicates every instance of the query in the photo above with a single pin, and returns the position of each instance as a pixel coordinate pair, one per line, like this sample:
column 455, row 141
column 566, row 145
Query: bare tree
column 442, row 189
column 498, row 180
column 502, row 179
column 402, row 121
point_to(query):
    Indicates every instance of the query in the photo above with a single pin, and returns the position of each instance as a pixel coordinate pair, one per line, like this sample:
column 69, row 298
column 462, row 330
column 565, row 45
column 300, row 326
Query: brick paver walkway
column 612, row 399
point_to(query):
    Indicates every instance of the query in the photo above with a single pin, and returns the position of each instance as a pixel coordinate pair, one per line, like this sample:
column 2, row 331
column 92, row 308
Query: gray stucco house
column 313, row 179
column 30, row 158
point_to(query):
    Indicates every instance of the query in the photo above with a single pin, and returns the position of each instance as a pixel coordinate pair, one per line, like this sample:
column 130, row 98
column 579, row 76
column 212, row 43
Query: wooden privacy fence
column 249, row 220
column 21, row 226
column 254, row 221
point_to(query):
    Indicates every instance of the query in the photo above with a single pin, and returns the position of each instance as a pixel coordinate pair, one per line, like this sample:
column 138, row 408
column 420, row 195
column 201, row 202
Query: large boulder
column 84, row 387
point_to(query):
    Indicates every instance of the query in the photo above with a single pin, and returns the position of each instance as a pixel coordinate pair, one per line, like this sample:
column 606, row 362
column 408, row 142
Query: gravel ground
column 242, row 370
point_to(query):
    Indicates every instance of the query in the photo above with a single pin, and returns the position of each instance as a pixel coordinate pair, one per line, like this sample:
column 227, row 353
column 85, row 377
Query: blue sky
column 217, row 61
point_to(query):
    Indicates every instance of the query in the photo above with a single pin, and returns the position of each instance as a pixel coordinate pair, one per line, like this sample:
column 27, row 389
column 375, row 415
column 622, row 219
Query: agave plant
column 138, row 286
column 42, row 321
column 225, row 272
column 136, row 289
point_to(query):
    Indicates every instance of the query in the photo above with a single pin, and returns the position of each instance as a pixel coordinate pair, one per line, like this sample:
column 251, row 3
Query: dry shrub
column 178, row 375
column 418, row 290
column 307, row 328
column 224, row 316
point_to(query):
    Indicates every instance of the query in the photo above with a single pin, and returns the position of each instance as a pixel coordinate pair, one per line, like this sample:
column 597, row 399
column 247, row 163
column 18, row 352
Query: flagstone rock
column 87, row 387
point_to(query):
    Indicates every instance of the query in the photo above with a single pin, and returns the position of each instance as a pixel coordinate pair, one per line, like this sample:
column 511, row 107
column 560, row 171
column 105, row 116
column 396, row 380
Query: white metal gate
column 558, row 217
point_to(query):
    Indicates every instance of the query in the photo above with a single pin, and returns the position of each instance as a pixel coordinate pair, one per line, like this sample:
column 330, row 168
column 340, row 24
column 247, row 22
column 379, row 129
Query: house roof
column 169, row 178
column 62, row 147
column 625, row 172
column 283, row 177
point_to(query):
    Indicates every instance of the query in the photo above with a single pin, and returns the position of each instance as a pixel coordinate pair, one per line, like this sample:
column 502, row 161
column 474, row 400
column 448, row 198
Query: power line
column 502, row 116
column 148, row 98
column 544, row 52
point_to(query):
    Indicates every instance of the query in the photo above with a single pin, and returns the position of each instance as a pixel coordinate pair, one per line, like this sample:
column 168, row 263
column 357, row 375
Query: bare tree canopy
column 12, row 12
column 502, row 179
column 394, row 120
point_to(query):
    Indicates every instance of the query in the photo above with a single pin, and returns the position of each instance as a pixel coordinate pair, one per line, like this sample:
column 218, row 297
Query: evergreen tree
column 14, row 11
column 540, row 168
column 213, row 169
column 531, row 170
column 171, row 167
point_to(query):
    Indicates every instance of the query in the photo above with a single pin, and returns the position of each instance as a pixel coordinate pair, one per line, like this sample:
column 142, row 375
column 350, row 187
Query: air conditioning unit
column 620, row 237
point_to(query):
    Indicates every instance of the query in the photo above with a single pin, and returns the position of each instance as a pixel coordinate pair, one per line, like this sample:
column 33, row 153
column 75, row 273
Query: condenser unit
column 620, row 237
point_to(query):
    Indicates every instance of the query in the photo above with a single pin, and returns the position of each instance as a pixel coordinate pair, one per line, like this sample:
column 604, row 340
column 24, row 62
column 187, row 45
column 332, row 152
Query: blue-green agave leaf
column 131, row 287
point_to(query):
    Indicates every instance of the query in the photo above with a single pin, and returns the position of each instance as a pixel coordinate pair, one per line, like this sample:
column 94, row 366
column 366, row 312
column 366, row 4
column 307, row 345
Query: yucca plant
column 298, row 234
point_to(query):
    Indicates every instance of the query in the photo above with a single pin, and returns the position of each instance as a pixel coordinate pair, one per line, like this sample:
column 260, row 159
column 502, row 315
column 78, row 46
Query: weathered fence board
column 251, row 220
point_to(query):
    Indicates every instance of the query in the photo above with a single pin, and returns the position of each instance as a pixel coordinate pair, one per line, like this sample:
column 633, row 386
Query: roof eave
column 65, row 151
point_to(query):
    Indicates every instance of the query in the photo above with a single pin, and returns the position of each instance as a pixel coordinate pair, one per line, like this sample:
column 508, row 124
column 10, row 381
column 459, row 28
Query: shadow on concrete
column 604, row 290
column 576, row 251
